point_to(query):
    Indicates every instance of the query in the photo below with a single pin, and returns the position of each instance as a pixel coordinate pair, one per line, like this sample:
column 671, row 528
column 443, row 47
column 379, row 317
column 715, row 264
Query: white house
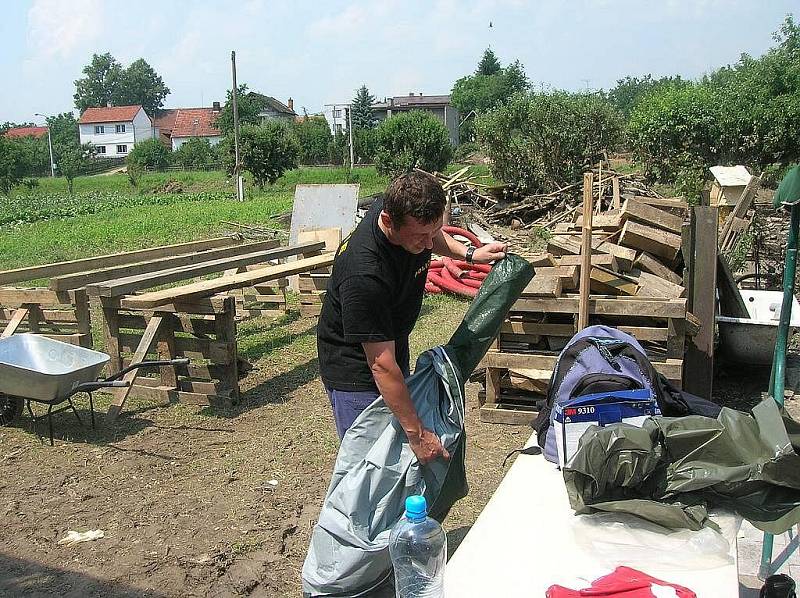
column 336, row 115
column 195, row 122
column 115, row 130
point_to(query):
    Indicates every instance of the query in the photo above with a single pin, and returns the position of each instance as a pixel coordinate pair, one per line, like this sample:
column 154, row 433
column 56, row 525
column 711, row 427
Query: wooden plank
column 615, row 190
column 331, row 237
column 17, row 319
column 563, row 246
column 730, row 298
column 651, row 216
column 677, row 203
column 190, row 292
column 313, row 283
column 81, row 279
column 607, row 221
column 536, row 328
column 699, row 372
column 130, row 284
column 586, row 252
column 568, row 275
column 625, row 256
column 598, row 259
column 543, row 286
column 648, row 263
column 612, row 306
column 513, row 415
column 741, row 208
column 540, row 260
column 145, row 346
column 652, row 240
column 115, row 259
column 671, row 368
column 651, row 285
column 15, row 297
column 608, row 283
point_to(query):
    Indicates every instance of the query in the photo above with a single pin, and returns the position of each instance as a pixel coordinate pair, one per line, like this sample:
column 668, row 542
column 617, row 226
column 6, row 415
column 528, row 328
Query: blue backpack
column 600, row 359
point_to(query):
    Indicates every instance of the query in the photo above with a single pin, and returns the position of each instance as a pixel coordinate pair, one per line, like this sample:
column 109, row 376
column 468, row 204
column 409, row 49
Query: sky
column 321, row 52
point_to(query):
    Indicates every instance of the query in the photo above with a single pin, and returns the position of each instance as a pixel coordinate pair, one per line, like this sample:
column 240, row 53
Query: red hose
column 453, row 269
column 457, row 276
column 449, row 283
column 454, row 230
column 476, row 275
column 432, row 288
column 471, row 282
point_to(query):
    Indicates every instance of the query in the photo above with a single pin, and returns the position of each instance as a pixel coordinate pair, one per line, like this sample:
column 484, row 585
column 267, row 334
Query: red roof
column 18, row 132
column 196, row 122
column 165, row 121
column 109, row 115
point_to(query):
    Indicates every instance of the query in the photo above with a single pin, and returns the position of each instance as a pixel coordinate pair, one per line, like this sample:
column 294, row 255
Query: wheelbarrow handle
column 92, row 386
column 145, row 364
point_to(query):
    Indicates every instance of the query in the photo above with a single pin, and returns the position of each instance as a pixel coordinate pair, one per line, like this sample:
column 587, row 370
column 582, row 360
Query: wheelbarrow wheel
column 10, row 408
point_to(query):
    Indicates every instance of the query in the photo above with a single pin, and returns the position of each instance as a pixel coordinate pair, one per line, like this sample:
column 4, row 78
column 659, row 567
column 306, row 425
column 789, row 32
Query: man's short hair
column 415, row 194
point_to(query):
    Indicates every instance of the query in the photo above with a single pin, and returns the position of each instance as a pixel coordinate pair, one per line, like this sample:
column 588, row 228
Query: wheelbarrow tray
column 39, row 368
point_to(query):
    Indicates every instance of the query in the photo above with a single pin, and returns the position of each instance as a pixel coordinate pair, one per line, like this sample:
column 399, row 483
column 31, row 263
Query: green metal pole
column 778, row 377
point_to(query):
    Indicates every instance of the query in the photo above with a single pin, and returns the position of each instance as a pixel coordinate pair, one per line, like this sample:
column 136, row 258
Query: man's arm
column 445, row 245
column 392, row 386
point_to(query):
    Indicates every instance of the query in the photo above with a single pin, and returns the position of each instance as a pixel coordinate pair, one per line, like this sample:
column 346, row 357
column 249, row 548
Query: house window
column 101, row 149
column 99, row 129
column 337, row 114
column 338, row 128
column 120, row 128
column 122, row 149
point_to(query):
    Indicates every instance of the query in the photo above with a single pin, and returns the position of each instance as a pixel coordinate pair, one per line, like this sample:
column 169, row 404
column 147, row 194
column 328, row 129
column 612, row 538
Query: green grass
column 105, row 217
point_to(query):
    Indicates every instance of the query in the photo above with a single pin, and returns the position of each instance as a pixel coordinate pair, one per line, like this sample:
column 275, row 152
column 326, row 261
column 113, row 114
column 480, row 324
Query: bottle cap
column 416, row 508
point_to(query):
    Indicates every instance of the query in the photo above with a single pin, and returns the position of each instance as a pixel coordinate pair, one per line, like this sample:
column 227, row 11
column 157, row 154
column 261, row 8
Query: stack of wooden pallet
column 635, row 284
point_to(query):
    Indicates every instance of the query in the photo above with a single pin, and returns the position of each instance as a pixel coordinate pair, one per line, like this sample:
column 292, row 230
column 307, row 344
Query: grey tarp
column 671, row 469
column 376, row 470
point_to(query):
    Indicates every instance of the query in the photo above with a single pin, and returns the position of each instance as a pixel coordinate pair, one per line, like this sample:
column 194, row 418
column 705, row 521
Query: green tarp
column 789, row 190
column 671, row 470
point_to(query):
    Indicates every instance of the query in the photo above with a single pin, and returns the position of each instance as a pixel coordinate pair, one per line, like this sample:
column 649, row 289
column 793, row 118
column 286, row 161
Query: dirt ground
column 194, row 502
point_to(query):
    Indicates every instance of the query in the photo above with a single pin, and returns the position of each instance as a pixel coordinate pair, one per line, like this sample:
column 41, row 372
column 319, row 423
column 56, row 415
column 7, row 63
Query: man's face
column 413, row 235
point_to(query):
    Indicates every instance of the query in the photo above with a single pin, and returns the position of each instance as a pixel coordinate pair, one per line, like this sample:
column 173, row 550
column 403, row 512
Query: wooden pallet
column 61, row 316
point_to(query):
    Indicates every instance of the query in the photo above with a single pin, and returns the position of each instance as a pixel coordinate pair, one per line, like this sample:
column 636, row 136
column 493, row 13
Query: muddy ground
column 194, row 502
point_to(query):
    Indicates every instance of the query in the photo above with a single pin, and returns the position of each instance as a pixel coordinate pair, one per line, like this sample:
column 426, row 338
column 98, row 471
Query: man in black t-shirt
column 373, row 301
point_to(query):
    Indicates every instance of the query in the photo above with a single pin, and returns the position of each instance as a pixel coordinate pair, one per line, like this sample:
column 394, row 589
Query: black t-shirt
column 374, row 294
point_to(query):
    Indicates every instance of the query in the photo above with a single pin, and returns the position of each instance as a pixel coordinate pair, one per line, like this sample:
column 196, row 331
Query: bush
column 195, row 153
column 266, row 151
column 465, row 150
column 339, row 149
column 411, row 140
column 365, row 145
column 542, row 141
column 314, row 137
column 150, row 153
column 13, row 165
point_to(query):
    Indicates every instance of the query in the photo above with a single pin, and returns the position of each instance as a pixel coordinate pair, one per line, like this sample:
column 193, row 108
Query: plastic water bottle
column 418, row 547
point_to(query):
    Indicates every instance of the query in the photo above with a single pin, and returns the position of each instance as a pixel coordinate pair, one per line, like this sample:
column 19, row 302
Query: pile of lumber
column 635, row 252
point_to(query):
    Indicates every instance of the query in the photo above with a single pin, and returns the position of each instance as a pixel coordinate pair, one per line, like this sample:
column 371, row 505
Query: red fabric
column 624, row 582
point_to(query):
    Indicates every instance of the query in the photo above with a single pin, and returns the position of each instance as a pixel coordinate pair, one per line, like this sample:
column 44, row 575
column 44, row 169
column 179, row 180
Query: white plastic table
column 522, row 543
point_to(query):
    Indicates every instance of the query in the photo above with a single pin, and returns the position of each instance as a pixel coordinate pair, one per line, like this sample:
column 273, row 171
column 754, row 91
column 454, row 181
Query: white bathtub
column 752, row 340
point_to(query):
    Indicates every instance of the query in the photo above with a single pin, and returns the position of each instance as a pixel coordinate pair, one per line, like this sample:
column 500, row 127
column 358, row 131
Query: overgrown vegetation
column 541, row 141
column 411, row 140
column 266, row 151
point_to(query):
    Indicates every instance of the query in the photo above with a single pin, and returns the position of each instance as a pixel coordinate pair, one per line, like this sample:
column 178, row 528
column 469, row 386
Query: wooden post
column 586, row 252
column 615, row 188
column 111, row 333
column 699, row 363
column 225, row 331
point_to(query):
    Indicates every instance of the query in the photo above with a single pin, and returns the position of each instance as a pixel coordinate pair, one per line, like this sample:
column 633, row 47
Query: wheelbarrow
column 42, row 370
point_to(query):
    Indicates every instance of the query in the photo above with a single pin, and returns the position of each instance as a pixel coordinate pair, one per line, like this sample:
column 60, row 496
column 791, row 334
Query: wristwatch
column 468, row 257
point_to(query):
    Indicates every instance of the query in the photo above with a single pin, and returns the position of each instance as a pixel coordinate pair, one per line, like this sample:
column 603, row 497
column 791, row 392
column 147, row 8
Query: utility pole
column 236, row 176
column 50, row 146
column 350, row 129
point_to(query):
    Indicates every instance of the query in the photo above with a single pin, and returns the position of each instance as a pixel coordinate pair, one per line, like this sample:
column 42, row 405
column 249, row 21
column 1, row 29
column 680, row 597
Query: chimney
column 411, row 94
column 290, row 103
column 215, row 107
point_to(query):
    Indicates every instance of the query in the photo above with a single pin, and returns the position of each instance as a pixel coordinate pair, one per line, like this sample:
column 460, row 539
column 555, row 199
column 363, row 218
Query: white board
column 731, row 176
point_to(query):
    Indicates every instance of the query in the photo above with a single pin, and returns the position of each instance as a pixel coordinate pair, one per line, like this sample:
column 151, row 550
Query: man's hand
column 489, row 253
column 427, row 447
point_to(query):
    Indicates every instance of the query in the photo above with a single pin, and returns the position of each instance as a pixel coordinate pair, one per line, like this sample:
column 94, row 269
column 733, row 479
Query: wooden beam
column 145, row 346
column 676, row 203
column 17, row 319
column 615, row 187
column 699, row 372
column 542, row 285
column 568, row 275
column 648, row 263
column 81, row 279
column 609, row 306
column 647, row 238
column 651, row 216
column 598, row 259
column 624, row 255
column 129, row 284
column 651, row 285
column 205, row 288
column 741, row 208
column 541, row 260
column 115, row 259
column 586, row 252
column 609, row 283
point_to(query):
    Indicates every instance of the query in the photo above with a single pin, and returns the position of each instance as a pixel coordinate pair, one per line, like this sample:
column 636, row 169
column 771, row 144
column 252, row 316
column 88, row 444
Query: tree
column 99, row 86
column 195, row 153
column 365, row 144
column 539, row 142
column 63, row 128
column 12, row 165
column 140, row 85
column 630, row 90
column 363, row 117
column 150, row 153
column 314, row 138
column 249, row 106
column 414, row 139
column 71, row 159
column 266, row 151
column 489, row 65
column 480, row 93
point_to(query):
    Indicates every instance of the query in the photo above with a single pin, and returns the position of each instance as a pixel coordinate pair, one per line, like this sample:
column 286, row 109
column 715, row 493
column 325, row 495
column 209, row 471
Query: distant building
column 19, row 132
column 163, row 124
column 336, row 115
column 195, row 123
column 438, row 105
column 272, row 108
column 115, row 130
